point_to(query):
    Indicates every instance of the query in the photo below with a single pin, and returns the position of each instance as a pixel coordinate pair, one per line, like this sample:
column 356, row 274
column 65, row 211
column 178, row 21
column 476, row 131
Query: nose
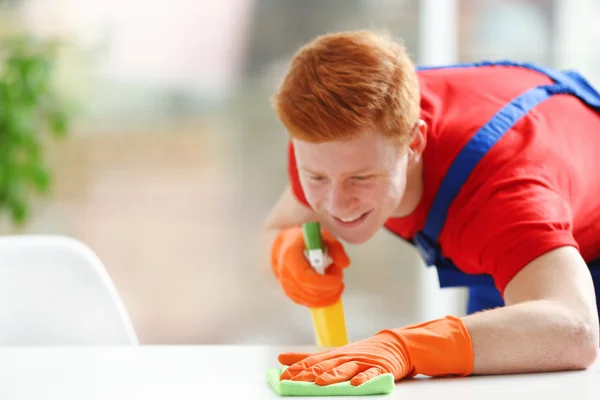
column 342, row 199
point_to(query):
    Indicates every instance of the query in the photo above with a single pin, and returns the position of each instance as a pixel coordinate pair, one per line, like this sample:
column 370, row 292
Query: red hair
column 344, row 84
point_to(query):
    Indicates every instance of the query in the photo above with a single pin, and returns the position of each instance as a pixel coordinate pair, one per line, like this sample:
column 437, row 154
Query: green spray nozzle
column 315, row 250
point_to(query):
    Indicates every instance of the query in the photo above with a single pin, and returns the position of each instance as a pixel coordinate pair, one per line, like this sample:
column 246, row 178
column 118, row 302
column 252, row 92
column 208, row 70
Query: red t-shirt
column 538, row 188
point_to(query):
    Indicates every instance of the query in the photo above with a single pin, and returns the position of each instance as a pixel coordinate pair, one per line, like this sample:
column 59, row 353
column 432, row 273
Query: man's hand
column 300, row 282
column 435, row 348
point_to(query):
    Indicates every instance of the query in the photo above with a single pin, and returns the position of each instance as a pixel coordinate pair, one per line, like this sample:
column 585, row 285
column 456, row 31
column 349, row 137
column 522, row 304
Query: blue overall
column 482, row 292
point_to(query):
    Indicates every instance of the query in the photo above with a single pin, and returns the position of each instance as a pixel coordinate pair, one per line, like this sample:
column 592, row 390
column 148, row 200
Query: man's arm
column 286, row 213
column 550, row 321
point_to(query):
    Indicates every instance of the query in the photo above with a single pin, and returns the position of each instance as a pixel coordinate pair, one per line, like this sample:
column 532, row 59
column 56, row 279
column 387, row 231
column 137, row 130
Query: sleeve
column 293, row 176
column 500, row 233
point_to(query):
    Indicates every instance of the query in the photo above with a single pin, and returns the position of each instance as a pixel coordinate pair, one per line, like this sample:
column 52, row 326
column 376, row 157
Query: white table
column 183, row 372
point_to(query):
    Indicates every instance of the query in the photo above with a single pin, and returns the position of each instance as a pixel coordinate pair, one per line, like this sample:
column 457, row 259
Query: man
column 490, row 169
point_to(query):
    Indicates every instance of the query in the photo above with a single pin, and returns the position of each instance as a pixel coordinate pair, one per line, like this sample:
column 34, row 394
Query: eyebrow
column 354, row 173
column 309, row 171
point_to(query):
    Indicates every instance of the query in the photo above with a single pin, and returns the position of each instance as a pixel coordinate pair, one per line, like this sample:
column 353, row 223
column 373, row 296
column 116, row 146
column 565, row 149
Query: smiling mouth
column 351, row 221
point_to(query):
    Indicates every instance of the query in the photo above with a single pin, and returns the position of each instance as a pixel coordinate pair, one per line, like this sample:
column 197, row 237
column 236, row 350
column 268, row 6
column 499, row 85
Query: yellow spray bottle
column 329, row 322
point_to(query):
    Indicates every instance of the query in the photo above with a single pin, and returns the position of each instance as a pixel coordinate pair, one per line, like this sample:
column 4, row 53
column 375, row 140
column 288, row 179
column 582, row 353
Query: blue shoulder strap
column 426, row 240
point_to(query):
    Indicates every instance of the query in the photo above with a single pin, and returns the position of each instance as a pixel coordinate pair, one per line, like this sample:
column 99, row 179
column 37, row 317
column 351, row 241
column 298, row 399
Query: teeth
column 349, row 219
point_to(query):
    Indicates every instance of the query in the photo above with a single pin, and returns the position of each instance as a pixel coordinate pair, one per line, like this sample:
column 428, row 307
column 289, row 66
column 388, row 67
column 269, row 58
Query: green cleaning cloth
column 382, row 384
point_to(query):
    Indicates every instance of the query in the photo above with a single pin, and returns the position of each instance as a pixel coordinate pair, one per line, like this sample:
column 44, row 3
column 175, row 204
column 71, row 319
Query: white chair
column 54, row 290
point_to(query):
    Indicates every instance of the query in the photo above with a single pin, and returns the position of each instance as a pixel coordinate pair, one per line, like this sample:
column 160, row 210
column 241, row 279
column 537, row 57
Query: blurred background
column 174, row 156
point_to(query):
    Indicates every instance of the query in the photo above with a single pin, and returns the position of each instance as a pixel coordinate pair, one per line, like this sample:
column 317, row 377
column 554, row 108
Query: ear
column 418, row 142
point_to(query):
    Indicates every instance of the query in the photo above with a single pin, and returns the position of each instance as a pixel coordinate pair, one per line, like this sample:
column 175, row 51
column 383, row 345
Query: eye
column 317, row 178
column 362, row 177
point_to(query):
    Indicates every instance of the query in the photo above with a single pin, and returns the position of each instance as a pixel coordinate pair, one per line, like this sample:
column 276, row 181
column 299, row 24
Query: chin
column 357, row 237
column 354, row 239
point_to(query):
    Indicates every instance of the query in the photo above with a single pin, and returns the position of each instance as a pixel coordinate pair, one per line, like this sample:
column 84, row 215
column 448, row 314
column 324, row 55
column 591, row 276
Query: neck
column 413, row 193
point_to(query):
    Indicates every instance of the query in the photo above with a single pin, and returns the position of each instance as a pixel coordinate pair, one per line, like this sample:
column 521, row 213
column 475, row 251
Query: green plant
column 30, row 109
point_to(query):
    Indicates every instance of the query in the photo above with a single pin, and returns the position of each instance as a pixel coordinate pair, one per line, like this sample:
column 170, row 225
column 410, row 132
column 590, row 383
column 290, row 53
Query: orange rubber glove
column 300, row 282
column 436, row 348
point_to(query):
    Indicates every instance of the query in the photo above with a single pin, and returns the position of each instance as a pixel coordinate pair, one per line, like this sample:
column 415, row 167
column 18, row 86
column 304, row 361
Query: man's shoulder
column 476, row 84
column 486, row 70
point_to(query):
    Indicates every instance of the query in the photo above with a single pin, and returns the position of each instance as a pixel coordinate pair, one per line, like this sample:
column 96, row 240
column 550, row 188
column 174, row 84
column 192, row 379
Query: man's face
column 356, row 185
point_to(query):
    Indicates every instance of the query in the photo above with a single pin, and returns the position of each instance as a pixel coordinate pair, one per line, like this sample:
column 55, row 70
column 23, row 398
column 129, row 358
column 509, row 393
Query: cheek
column 397, row 188
column 374, row 194
column 314, row 193
column 388, row 193
column 397, row 184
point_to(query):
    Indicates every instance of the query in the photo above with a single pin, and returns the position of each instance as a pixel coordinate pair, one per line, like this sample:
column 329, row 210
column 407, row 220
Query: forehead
column 361, row 152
